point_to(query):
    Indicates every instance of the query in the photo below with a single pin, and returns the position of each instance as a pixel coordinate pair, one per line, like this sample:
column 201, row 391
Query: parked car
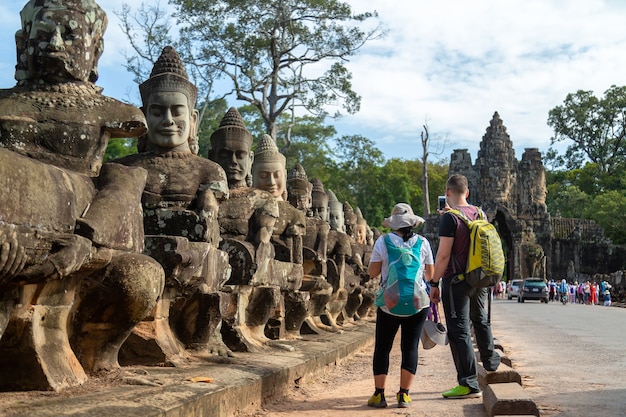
column 513, row 287
column 533, row 289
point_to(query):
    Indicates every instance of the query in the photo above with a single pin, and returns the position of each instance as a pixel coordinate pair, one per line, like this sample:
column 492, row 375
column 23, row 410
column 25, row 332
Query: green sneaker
column 377, row 401
column 461, row 391
column 403, row 400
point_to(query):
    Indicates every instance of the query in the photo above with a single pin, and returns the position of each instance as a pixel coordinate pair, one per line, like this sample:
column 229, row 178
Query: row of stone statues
column 163, row 255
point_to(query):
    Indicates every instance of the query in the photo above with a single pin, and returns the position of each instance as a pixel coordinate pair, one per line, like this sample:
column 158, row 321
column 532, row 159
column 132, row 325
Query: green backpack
column 485, row 260
column 403, row 294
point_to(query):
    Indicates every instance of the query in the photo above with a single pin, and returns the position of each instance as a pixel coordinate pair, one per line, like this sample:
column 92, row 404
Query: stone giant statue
column 75, row 283
column 180, row 205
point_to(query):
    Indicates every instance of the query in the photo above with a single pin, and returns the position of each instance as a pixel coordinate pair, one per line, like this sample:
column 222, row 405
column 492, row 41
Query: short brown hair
column 457, row 184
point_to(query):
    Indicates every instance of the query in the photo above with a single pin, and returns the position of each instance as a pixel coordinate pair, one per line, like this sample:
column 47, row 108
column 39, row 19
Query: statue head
column 268, row 169
column 60, row 41
column 349, row 219
column 168, row 102
column 299, row 188
column 319, row 199
column 231, row 147
column 360, row 234
column 335, row 213
column 370, row 236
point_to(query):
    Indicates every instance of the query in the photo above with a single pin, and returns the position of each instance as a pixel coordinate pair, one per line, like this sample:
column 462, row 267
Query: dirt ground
column 343, row 390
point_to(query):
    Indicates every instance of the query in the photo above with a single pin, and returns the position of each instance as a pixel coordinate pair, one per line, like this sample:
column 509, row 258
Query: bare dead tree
column 434, row 146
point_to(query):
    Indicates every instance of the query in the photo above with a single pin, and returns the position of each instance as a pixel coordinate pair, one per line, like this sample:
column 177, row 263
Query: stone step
column 503, row 357
column 508, row 399
column 504, row 374
column 497, row 344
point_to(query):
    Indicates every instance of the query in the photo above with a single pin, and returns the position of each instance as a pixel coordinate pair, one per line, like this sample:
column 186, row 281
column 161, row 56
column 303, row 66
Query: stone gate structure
column 513, row 195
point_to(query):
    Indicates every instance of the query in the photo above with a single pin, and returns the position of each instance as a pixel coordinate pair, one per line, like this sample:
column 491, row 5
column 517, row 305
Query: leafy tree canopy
column 609, row 211
column 119, row 147
column 597, row 128
column 278, row 56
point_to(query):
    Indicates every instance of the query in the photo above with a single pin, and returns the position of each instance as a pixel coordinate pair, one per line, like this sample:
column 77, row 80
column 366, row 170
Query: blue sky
column 451, row 63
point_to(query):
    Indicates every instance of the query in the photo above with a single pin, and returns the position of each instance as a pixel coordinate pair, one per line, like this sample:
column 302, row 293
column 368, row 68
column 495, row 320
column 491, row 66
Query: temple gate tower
column 512, row 193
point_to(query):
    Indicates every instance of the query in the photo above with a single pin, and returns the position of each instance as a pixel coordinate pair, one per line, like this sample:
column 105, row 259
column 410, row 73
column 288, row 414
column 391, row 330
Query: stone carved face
column 236, row 158
column 319, row 207
column 336, row 219
column 170, row 121
column 60, row 44
column 361, row 232
column 300, row 199
column 271, row 177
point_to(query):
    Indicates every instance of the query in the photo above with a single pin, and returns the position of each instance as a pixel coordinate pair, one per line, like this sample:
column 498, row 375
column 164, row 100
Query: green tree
column 213, row 113
column 567, row 201
column 609, row 211
column 119, row 147
column 357, row 178
column 271, row 51
column 597, row 128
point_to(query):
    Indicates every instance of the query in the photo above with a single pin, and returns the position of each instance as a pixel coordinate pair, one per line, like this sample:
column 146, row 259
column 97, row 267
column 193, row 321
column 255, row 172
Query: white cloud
column 458, row 62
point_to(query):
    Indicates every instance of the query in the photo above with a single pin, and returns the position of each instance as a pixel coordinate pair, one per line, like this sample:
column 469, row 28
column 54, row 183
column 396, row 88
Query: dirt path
column 343, row 390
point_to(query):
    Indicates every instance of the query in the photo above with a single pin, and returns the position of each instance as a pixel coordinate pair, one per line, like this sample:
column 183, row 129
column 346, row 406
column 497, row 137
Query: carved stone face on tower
column 60, row 41
column 170, row 120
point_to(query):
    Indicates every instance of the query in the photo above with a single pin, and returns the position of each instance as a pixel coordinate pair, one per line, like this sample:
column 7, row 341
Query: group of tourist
column 584, row 292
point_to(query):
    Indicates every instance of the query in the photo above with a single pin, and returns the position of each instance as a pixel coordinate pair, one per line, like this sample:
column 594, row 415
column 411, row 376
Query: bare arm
column 441, row 263
column 443, row 256
column 374, row 269
column 429, row 270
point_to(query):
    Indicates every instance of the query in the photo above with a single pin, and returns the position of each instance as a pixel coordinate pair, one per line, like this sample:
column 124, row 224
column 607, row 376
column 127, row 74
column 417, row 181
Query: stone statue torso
column 175, row 178
column 67, row 125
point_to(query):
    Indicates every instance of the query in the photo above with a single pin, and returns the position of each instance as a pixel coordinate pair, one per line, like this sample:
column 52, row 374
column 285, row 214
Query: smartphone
column 441, row 202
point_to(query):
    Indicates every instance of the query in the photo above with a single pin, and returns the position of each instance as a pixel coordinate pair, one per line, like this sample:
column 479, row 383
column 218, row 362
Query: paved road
column 572, row 358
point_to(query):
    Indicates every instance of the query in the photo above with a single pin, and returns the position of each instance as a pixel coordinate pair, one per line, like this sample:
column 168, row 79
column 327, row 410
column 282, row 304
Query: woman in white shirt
column 412, row 266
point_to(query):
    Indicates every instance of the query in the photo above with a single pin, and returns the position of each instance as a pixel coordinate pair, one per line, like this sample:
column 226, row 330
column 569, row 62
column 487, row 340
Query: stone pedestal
column 35, row 352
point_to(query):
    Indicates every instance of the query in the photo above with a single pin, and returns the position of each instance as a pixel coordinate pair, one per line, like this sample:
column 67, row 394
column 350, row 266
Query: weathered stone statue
column 269, row 173
column 349, row 218
column 180, row 206
column 231, row 148
column 337, row 250
column 71, row 243
column 247, row 222
column 336, row 218
column 314, row 251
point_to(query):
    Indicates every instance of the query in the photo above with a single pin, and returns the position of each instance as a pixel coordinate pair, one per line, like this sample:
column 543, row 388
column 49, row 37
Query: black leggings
column 386, row 328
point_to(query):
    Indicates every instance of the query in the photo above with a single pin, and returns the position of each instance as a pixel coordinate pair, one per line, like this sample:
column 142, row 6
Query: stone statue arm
column 207, row 208
column 265, row 216
column 124, row 120
column 322, row 244
column 12, row 254
column 356, row 260
column 35, row 255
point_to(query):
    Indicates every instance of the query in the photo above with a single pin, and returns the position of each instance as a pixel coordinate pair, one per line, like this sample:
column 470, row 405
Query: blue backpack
column 402, row 294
